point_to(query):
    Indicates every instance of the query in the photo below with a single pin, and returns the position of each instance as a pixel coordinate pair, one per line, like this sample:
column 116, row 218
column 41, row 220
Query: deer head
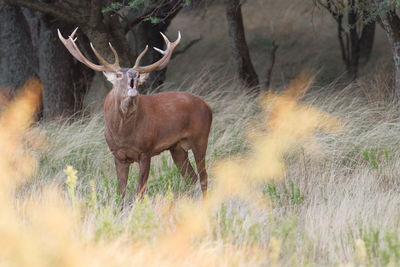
column 125, row 80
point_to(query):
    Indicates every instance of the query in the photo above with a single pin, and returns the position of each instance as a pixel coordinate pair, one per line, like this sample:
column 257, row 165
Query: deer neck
column 125, row 113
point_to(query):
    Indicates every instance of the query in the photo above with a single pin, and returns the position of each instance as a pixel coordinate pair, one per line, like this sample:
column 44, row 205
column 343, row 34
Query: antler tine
column 163, row 62
column 72, row 34
column 174, row 44
column 76, row 53
column 139, row 58
column 116, row 63
column 113, row 67
column 165, row 38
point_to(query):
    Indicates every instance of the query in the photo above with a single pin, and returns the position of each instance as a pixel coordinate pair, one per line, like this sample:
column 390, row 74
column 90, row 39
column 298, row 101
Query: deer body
column 158, row 122
column 175, row 121
column 138, row 127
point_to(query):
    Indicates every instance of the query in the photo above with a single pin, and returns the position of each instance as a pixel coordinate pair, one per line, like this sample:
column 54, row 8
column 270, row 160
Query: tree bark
column 354, row 45
column 391, row 24
column 18, row 61
column 56, row 75
column 367, row 41
column 240, row 51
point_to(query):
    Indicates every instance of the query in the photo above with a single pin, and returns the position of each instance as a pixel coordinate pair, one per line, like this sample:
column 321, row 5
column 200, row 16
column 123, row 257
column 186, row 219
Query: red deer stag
column 138, row 127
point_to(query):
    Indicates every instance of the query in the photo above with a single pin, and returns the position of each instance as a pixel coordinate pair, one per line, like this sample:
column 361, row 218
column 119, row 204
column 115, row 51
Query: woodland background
column 339, row 39
column 303, row 154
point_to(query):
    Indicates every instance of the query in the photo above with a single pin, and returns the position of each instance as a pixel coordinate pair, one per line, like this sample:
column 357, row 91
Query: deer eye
column 118, row 75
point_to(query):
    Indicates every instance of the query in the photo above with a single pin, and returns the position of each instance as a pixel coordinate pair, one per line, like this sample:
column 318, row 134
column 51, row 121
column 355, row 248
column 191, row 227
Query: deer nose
column 132, row 73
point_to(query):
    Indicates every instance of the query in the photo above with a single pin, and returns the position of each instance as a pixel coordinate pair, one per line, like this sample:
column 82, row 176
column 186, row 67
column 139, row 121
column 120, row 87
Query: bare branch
column 187, row 47
column 345, row 56
column 268, row 76
column 163, row 11
column 50, row 9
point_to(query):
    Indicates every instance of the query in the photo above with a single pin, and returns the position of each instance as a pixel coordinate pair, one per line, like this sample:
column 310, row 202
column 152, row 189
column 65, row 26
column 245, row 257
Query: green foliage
column 375, row 157
column 113, row 7
column 116, row 6
column 284, row 228
column 230, row 226
column 141, row 5
column 382, row 246
column 107, row 224
column 137, row 3
column 282, row 194
column 153, row 20
column 167, row 176
column 142, row 221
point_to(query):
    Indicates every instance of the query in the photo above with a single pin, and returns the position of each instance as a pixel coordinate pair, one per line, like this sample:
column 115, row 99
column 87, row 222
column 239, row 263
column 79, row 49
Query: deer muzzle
column 132, row 91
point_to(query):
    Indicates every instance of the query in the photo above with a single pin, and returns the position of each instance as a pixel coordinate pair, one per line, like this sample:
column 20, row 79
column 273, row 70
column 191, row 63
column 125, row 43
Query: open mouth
column 132, row 90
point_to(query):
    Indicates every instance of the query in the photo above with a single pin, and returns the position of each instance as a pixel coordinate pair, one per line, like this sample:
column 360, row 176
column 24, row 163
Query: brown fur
column 174, row 121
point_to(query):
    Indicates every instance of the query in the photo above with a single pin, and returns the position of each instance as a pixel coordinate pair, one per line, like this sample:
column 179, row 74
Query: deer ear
column 111, row 76
column 143, row 77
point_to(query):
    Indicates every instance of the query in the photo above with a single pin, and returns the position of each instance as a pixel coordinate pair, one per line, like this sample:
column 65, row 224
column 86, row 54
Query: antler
column 74, row 50
column 163, row 62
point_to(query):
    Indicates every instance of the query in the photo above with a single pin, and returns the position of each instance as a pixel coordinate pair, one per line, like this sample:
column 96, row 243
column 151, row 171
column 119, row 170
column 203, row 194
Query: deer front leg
column 144, row 169
column 122, row 175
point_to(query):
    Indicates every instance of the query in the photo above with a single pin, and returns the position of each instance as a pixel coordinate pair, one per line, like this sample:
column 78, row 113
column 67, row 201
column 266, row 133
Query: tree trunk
column 391, row 24
column 360, row 45
column 62, row 91
column 367, row 41
column 368, row 31
column 354, row 49
column 240, row 51
column 18, row 61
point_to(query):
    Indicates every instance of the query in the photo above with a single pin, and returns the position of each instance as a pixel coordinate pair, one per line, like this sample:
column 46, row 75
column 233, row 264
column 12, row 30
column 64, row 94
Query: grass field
column 295, row 186
column 293, row 182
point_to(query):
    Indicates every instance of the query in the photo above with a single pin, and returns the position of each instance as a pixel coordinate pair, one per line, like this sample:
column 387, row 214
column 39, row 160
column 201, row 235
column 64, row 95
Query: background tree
column 355, row 30
column 143, row 24
column 100, row 21
column 65, row 81
column 387, row 14
column 240, row 50
column 18, row 58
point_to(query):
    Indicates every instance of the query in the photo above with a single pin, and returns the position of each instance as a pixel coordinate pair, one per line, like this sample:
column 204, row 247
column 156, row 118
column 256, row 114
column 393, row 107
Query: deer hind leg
column 180, row 157
column 199, row 151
